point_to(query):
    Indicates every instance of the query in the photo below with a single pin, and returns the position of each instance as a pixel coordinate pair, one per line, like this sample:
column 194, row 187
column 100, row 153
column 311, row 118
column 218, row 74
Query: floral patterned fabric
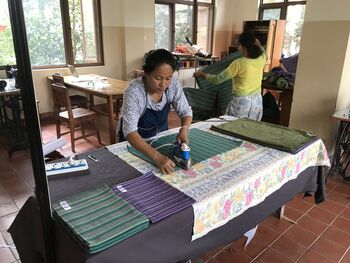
column 226, row 185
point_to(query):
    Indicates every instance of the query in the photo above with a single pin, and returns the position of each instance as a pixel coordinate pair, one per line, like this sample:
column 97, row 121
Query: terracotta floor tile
column 293, row 214
column 301, row 235
column 289, row 248
column 277, row 224
column 331, row 206
column 7, row 206
column 6, row 255
column 342, row 224
column 6, row 221
column 328, row 249
column 272, row 256
column 266, row 234
column 309, row 199
column 299, row 204
column 337, row 236
column 7, row 237
column 346, row 258
column 343, row 189
column 312, row 256
column 212, row 260
column 330, row 185
column 346, row 213
column 254, row 248
column 339, row 198
column 321, row 215
column 229, row 255
column 311, row 224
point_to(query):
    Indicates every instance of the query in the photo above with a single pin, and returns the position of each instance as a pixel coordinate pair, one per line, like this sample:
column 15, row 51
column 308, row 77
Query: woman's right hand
column 165, row 164
column 199, row 74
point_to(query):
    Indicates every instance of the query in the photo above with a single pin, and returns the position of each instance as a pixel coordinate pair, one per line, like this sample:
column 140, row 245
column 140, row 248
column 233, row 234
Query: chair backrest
column 61, row 99
column 57, row 78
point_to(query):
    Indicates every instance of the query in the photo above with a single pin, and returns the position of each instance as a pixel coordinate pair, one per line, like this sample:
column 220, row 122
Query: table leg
column 111, row 120
column 92, row 103
column 286, row 100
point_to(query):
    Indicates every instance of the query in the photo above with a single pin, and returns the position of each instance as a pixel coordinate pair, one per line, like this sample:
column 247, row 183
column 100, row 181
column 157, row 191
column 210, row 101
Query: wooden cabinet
column 271, row 35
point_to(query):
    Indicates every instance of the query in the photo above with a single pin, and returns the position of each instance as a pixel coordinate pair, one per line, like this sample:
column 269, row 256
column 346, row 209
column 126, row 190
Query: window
column 177, row 19
column 59, row 32
column 7, row 53
column 293, row 12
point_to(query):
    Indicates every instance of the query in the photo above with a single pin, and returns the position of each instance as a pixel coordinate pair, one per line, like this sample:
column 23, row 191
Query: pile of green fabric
column 280, row 78
column 267, row 134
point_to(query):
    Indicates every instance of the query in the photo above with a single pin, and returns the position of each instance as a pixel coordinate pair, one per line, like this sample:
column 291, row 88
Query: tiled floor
column 321, row 233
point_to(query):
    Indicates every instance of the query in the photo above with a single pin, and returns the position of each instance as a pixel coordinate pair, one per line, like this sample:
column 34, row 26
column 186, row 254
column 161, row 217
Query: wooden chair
column 72, row 117
column 75, row 100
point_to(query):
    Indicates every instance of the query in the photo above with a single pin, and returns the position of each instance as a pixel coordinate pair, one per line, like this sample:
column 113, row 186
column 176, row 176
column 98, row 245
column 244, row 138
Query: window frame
column 65, row 20
column 194, row 4
column 282, row 5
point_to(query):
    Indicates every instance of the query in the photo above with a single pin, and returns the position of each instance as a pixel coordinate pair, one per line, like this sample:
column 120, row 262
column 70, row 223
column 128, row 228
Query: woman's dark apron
column 150, row 123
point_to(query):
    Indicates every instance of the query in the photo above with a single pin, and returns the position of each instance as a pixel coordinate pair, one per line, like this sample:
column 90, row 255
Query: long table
column 94, row 85
column 166, row 241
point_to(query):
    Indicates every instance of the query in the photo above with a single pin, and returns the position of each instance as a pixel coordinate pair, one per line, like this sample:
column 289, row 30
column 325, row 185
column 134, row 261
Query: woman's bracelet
column 185, row 126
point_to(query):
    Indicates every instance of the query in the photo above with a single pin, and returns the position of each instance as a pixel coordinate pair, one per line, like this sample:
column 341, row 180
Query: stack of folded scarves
column 98, row 218
column 153, row 197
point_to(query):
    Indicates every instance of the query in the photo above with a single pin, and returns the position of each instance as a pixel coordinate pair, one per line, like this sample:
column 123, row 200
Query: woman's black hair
column 158, row 57
column 247, row 40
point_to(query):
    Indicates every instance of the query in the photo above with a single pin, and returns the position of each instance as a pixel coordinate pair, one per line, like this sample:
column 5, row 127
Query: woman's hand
column 182, row 136
column 199, row 74
column 165, row 165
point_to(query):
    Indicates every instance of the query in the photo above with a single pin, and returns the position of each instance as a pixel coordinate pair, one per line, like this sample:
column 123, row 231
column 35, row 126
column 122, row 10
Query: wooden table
column 285, row 98
column 89, row 84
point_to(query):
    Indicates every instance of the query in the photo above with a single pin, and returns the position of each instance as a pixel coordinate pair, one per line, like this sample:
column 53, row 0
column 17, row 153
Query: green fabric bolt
column 203, row 145
column 267, row 134
column 98, row 218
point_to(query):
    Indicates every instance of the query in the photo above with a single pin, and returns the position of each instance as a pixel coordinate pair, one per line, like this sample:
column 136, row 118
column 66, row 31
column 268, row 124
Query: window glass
column 205, row 1
column 162, row 26
column 271, row 14
column 272, row 1
column 203, row 27
column 82, row 21
column 7, row 53
column 294, row 26
column 44, row 32
column 183, row 23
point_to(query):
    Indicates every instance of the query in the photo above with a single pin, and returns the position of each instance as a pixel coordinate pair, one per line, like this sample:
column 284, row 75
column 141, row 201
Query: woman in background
column 146, row 105
column 246, row 74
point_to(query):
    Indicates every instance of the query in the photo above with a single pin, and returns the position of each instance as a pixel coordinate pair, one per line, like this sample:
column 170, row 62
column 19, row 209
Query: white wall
column 322, row 82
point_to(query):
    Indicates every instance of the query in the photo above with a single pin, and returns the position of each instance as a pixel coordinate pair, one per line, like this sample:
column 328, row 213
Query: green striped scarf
column 98, row 218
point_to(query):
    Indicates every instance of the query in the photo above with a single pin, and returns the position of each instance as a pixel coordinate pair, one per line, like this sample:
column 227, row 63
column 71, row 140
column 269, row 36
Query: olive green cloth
column 267, row 134
column 98, row 218
column 203, row 145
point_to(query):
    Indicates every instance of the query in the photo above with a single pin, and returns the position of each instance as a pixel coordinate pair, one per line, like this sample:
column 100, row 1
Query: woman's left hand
column 182, row 136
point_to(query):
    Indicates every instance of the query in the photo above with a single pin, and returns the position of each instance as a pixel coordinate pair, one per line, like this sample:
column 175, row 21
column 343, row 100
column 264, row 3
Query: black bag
column 271, row 111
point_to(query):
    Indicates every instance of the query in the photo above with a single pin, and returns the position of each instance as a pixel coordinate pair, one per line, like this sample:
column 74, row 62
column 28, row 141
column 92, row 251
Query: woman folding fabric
column 146, row 105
